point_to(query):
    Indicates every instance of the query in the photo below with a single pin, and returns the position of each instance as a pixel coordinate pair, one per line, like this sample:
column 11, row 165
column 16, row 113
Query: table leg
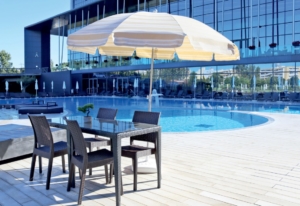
column 116, row 142
column 159, row 159
column 70, row 151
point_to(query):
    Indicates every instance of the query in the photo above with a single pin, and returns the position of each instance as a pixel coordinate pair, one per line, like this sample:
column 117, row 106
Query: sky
column 17, row 14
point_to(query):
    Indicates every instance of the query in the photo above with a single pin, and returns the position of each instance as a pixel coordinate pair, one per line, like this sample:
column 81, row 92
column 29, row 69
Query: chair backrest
column 42, row 131
column 146, row 117
column 179, row 94
column 107, row 113
column 79, row 147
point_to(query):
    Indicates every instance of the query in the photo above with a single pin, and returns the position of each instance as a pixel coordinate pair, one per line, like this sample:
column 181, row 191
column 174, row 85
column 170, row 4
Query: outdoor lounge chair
column 92, row 142
column 171, row 95
column 84, row 160
column 239, row 96
column 296, row 97
column 167, row 92
column 260, row 97
column 220, row 95
column 44, row 146
column 283, row 96
column 136, row 151
column 268, row 96
column 205, row 95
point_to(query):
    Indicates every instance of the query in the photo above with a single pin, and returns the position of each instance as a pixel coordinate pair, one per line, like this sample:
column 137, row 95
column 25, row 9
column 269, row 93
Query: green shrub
column 86, row 108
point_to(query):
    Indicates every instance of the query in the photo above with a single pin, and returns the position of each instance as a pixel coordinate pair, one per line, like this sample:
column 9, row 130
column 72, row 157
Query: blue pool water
column 176, row 115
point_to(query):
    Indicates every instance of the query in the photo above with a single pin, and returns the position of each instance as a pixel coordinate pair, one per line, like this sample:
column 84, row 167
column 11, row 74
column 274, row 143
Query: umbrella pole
column 150, row 86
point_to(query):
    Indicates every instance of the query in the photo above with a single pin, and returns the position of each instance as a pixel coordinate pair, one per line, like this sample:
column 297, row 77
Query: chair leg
column 106, row 174
column 71, row 172
column 90, row 170
column 122, row 192
column 134, row 165
column 49, row 173
column 111, row 170
column 32, row 167
column 80, row 172
column 81, row 186
column 111, row 176
column 63, row 163
column 40, row 164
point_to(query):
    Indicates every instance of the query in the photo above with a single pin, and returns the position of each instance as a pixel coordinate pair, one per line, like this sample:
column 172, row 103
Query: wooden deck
column 252, row 166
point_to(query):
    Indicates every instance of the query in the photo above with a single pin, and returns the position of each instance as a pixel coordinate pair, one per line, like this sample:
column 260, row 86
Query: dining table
column 115, row 130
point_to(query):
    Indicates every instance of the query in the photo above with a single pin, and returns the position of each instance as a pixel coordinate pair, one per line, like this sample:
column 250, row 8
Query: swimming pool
column 176, row 115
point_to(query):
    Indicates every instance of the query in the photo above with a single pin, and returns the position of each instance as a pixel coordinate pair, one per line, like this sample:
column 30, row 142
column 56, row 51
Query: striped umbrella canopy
column 153, row 35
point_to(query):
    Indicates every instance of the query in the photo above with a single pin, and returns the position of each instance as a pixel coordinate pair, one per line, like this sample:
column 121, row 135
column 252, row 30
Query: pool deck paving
column 258, row 165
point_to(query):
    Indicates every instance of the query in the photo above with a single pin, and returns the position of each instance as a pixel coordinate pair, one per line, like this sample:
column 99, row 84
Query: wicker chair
column 91, row 142
column 135, row 151
column 84, row 160
column 44, row 146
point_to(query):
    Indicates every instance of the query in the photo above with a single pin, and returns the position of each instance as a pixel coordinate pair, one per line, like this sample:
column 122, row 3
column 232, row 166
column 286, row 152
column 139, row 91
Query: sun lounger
column 41, row 110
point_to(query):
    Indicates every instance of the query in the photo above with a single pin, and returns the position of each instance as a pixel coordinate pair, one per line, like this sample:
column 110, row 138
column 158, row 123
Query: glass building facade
column 267, row 32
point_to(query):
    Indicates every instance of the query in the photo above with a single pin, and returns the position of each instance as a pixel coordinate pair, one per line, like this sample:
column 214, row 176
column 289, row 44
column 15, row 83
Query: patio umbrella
column 212, row 87
column 6, row 86
column 134, row 86
column 279, row 81
column 44, row 87
column 21, row 85
column 195, row 85
column 77, row 86
column 232, row 86
column 254, row 83
column 232, row 82
column 36, row 87
column 52, row 86
column 160, row 83
column 155, row 36
column 64, row 87
column 286, row 76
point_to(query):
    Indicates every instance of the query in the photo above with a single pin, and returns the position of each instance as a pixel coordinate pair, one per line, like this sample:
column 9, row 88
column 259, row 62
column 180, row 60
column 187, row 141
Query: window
column 228, row 15
column 227, row 25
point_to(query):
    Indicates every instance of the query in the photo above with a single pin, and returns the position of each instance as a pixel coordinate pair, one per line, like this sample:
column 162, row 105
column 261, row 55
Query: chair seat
column 60, row 148
column 96, row 142
column 133, row 151
column 95, row 158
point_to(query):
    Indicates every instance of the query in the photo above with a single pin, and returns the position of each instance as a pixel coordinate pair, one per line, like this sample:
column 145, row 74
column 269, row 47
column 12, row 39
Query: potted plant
column 252, row 47
column 86, row 109
column 296, row 43
column 272, row 45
